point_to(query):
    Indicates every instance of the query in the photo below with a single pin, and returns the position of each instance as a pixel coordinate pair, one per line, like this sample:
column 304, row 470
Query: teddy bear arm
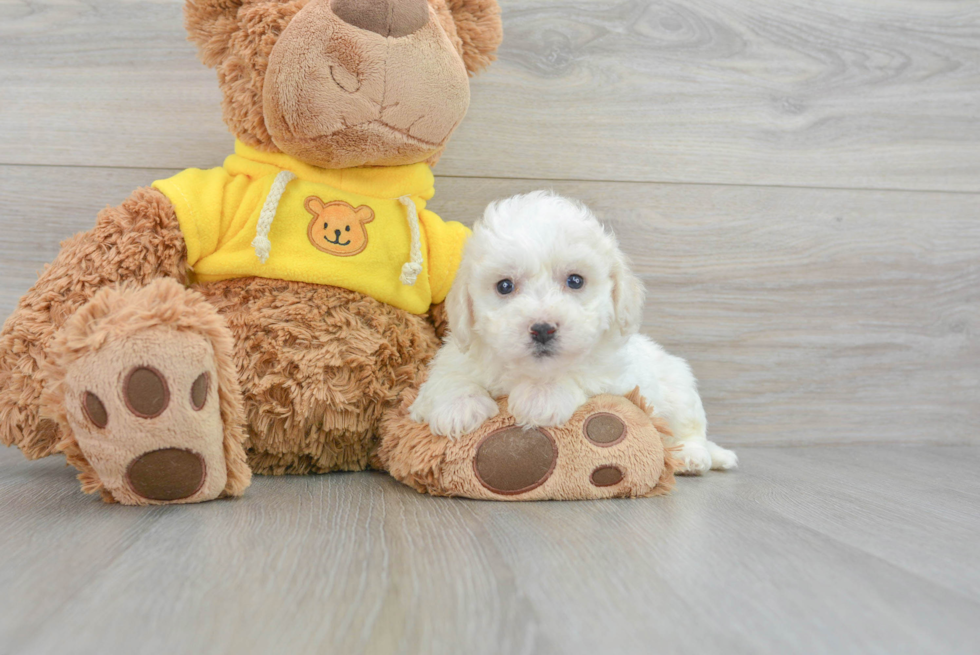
column 137, row 241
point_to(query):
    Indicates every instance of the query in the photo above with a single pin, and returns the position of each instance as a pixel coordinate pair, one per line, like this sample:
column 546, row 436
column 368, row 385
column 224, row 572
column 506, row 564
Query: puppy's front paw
column 461, row 415
column 541, row 417
column 694, row 458
column 722, row 459
column 542, row 405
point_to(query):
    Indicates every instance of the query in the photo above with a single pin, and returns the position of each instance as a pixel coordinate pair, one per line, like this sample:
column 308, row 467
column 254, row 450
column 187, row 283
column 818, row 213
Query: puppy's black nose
column 543, row 332
column 337, row 232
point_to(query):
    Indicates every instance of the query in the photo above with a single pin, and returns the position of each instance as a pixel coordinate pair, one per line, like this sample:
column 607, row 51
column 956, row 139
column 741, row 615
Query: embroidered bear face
column 337, row 228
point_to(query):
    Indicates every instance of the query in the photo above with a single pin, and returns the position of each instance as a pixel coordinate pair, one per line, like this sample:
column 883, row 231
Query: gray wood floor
column 797, row 182
column 849, row 549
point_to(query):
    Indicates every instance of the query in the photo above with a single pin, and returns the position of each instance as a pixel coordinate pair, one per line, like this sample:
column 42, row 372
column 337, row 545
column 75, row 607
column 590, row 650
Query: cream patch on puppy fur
column 545, row 311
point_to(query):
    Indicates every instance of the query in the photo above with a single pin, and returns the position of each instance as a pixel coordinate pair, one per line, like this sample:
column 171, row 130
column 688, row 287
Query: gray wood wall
column 798, row 182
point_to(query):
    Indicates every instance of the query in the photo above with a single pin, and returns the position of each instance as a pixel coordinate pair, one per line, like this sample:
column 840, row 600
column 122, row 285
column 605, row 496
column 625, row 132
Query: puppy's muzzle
column 542, row 333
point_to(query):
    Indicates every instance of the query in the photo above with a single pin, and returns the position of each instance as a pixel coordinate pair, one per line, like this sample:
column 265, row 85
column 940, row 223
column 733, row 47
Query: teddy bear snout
column 389, row 18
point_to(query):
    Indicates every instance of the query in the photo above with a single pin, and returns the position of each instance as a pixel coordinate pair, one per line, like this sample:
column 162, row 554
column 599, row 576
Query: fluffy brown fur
column 136, row 242
column 479, row 30
column 319, row 367
column 116, row 313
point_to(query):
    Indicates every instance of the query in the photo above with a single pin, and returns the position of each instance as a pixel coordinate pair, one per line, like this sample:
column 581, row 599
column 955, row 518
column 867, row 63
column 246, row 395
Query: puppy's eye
column 347, row 228
column 575, row 281
column 505, row 286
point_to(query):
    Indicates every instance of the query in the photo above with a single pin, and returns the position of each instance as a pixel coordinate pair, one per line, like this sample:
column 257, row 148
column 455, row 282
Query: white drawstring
column 411, row 269
column 261, row 241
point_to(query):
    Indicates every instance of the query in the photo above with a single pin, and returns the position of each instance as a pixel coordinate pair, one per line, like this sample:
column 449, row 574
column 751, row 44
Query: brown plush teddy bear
column 276, row 314
column 281, row 302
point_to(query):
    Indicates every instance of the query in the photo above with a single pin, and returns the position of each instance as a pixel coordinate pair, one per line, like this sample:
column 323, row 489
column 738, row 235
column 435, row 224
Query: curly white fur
column 537, row 241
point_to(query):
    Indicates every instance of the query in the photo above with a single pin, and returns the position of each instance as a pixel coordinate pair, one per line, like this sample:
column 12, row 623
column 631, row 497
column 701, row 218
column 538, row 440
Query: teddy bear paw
column 146, row 416
column 141, row 381
column 609, row 448
column 606, row 450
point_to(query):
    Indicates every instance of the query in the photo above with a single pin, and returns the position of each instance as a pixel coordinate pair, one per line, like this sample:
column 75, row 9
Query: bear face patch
column 337, row 228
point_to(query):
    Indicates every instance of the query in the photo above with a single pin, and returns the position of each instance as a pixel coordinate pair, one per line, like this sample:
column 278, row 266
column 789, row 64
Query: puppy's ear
column 627, row 294
column 459, row 308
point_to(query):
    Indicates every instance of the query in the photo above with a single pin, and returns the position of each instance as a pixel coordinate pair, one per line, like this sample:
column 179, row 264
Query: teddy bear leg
column 142, row 384
column 612, row 447
column 135, row 242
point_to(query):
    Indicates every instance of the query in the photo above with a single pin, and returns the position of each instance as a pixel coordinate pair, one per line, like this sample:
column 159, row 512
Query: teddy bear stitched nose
column 394, row 18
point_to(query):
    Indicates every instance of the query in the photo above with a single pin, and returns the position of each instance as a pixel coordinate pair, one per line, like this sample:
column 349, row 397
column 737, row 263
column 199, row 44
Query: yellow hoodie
column 269, row 215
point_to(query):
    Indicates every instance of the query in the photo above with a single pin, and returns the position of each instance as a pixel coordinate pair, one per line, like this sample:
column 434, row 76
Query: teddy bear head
column 342, row 83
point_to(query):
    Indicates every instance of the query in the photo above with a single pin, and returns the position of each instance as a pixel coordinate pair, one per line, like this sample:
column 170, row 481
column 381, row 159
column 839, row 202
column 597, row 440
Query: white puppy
column 545, row 310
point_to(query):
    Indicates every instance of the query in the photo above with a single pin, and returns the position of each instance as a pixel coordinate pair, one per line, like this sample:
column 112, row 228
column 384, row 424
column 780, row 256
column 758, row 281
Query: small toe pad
column 606, row 476
column 146, row 392
column 605, row 429
column 95, row 410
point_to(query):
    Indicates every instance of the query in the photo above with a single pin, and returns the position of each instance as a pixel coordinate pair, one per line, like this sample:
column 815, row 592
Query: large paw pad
column 514, row 460
column 167, row 474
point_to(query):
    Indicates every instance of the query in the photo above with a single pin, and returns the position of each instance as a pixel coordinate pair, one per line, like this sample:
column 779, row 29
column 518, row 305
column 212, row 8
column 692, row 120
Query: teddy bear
column 263, row 315
column 275, row 315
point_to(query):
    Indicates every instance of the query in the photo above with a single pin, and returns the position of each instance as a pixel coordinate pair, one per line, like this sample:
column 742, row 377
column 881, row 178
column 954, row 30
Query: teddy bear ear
column 364, row 214
column 314, row 205
column 479, row 29
column 211, row 24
